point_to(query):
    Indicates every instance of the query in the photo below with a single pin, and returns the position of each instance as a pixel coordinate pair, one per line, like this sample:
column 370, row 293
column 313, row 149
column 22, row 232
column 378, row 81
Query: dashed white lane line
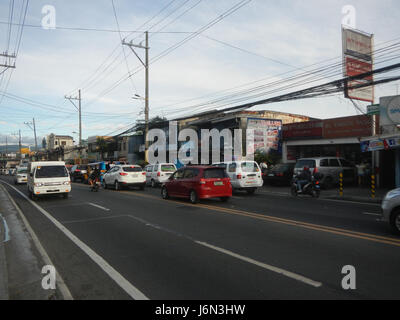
column 98, row 206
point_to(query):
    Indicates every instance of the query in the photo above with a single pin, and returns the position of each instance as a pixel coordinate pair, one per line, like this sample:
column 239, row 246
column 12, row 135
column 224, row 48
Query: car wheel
column 164, row 193
column 293, row 191
column 395, row 221
column 116, row 185
column 193, row 197
column 153, row 183
column 65, row 195
column 104, row 184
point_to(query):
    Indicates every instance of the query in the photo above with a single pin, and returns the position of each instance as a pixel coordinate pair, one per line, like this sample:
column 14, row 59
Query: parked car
column 48, row 177
column 391, row 210
column 159, row 173
column 244, row 175
column 330, row 167
column 125, row 176
column 281, row 174
column 196, row 183
column 79, row 172
column 21, row 175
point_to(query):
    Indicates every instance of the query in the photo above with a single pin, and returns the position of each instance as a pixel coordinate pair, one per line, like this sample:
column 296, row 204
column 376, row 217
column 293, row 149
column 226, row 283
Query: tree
column 101, row 146
column 44, row 143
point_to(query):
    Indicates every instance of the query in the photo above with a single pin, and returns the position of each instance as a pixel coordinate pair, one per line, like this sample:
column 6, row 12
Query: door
column 174, row 187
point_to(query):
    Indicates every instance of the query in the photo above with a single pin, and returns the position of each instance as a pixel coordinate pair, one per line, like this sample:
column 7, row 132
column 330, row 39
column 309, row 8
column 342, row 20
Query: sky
column 259, row 42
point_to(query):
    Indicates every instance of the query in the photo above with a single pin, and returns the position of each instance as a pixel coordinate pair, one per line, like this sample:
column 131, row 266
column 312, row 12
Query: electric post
column 79, row 109
column 34, row 131
column 146, row 66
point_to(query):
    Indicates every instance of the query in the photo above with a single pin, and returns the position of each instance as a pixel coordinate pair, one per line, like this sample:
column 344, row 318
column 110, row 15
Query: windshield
column 51, row 172
column 305, row 163
column 167, row 168
column 132, row 169
column 214, row 173
column 249, row 167
column 22, row 171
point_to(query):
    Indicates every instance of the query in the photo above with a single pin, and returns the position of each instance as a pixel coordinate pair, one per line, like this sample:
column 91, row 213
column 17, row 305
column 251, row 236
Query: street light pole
column 146, row 66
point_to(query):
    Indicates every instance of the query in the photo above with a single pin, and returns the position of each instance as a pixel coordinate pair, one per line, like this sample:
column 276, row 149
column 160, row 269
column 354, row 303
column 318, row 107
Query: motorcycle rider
column 94, row 176
column 303, row 178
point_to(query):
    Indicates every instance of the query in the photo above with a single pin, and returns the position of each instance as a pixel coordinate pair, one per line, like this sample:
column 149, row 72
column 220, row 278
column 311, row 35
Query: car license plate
column 218, row 183
column 271, row 175
column 134, row 176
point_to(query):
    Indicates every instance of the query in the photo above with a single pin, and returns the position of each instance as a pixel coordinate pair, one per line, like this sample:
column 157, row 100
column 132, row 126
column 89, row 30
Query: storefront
column 387, row 144
column 338, row 137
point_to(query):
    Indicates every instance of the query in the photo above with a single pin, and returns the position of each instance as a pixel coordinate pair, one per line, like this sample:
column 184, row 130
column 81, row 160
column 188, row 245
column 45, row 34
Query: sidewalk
column 20, row 262
column 358, row 194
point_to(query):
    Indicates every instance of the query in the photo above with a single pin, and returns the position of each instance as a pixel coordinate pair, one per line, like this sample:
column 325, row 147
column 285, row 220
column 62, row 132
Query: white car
column 121, row 176
column 159, row 173
column 244, row 175
column 391, row 209
column 21, row 176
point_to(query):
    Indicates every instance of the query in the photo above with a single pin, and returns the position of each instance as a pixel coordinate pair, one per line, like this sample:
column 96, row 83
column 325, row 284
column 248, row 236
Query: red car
column 198, row 182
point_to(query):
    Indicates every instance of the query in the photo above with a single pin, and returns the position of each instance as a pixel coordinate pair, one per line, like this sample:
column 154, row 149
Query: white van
column 48, row 177
column 244, row 175
column 159, row 173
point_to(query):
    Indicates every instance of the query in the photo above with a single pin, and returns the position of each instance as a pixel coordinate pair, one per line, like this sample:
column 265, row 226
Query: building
column 55, row 141
column 337, row 137
column 384, row 146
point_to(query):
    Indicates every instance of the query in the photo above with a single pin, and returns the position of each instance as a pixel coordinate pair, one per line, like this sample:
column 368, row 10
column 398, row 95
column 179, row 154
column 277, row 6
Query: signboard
column 355, row 126
column 390, row 114
column 373, row 109
column 358, row 59
column 309, row 129
column 266, row 133
column 380, row 144
column 357, row 44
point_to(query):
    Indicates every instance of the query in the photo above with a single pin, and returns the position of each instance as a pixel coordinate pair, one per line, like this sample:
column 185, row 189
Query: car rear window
column 305, row 163
column 249, row 167
column 132, row 169
column 214, row 173
column 167, row 168
column 51, row 172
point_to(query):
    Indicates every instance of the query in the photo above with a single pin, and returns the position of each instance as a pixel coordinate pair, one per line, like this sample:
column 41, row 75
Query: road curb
column 3, row 268
column 61, row 289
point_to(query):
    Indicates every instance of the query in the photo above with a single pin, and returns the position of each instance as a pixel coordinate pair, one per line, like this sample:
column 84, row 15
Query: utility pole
column 79, row 109
column 146, row 66
column 34, row 130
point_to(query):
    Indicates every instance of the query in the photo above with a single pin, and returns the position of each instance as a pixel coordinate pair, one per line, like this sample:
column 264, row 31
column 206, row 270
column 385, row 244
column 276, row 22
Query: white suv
column 244, row 175
column 159, row 173
column 121, row 176
column 391, row 209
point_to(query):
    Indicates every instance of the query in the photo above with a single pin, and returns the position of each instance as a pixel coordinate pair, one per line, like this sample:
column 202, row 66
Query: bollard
column 341, row 184
column 373, row 186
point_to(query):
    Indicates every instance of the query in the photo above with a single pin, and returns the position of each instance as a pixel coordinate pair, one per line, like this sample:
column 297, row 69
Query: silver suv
column 330, row 167
column 391, row 209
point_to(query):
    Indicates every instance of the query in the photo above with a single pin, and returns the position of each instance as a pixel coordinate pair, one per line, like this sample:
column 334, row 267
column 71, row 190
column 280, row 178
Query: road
column 133, row 244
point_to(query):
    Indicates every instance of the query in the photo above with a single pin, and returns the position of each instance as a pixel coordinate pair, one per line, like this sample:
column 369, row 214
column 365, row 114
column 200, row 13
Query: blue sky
column 279, row 37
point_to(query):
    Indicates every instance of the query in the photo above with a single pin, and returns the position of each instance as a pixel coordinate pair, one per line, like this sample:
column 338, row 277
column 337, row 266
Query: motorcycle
column 312, row 188
column 95, row 185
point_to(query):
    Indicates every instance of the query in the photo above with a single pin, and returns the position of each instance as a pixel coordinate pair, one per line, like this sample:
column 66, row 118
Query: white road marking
column 372, row 214
column 97, row 206
column 286, row 273
column 114, row 274
column 6, row 230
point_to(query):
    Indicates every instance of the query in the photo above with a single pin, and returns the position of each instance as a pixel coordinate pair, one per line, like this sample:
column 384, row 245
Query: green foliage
column 271, row 158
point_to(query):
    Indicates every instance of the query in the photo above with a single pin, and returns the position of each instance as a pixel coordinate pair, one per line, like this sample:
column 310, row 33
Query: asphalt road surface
column 132, row 244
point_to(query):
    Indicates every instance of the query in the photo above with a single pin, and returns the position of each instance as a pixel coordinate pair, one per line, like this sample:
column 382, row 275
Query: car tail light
column 315, row 170
column 77, row 170
column 158, row 174
column 123, row 174
column 143, row 173
column 239, row 176
column 202, row 181
column 317, row 182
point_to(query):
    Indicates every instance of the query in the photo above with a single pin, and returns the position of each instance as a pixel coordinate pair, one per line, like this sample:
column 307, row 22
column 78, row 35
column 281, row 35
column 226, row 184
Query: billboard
column 298, row 130
column 390, row 114
column 354, row 126
column 358, row 59
column 266, row 133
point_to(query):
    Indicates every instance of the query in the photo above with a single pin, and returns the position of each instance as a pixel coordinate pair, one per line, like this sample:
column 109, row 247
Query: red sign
column 356, row 67
column 355, row 126
column 303, row 130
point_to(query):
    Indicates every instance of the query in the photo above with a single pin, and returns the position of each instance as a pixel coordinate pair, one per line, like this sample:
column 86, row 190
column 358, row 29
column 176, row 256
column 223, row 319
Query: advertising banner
column 267, row 135
column 355, row 126
column 309, row 129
